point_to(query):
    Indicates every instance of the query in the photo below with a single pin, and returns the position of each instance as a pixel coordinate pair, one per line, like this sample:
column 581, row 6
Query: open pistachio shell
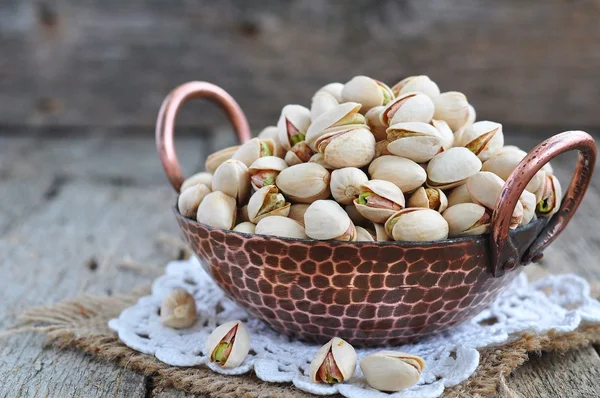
column 406, row 174
column 232, row 178
column 266, row 202
column 190, row 199
column 416, row 225
column 430, row 198
column 334, row 89
column 246, row 227
column 391, row 370
column 217, row 210
column 416, row 141
column 281, row 226
column 335, row 362
column 292, row 125
column 485, row 188
column 529, row 202
column 467, row 219
column 198, row 178
column 367, row 92
column 342, row 115
column 373, row 120
column 326, row 220
column 504, row 163
column 420, row 84
column 451, row 168
column 381, row 148
column 446, row 133
column 300, row 153
column 304, row 183
column 471, row 115
column 272, row 133
column 297, row 212
column 254, row 149
column 453, row 108
column 215, row 159
column 292, row 159
column 345, row 184
column 483, row 138
column 265, row 170
column 460, row 194
column 551, row 194
column 378, row 200
column 318, row 159
column 363, row 235
column 321, row 102
column 228, row 345
column 347, row 146
column 409, row 107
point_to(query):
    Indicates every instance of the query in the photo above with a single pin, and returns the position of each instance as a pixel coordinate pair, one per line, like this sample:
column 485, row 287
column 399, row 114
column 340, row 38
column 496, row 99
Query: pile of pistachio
column 368, row 162
column 335, row 362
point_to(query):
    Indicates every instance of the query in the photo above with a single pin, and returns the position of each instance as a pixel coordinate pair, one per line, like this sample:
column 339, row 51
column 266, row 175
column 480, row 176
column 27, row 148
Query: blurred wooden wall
column 529, row 63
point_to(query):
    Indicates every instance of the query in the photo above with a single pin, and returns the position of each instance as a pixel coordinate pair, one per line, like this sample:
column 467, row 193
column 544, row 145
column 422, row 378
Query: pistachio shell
column 297, row 212
column 409, row 107
column 326, row 220
column 380, row 234
column 503, row 164
column 294, row 121
column 281, row 226
column 334, row 89
column 416, row 141
column 373, row 120
column 381, row 148
column 215, row 159
column 232, row 178
column 529, row 202
column 300, row 153
column 367, row 92
column 467, row 219
column 416, row 225
column 453, row 108
column 405, row 173
column 343, row 355
column 257, row 202
column 355, row 216
column 321, row 102
column 345, row 184
column 254, row 149
column 178, row 310
column 304, row 183
column 291, row 159
column 272, row 133
column 190, row 199
column 430, row 198
column 511, row 148
column 264, row 170
column 446, row 133
column 217, row 210
column 471, row 115
column 392, row 371
column 246, row 227
column 485, row 188
column 551, row 194
column 451, row 168
column 343, row 114
column 421, row 84
column 240, row 348
column 388, row 199
column 362, row 235
column 347, row 146
column 460, row 194
column 483, row 138
column 318, row 159
column 198, row 178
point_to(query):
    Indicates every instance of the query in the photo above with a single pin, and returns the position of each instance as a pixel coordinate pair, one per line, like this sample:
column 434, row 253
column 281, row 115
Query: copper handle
column 504, row 252
column 165, row 124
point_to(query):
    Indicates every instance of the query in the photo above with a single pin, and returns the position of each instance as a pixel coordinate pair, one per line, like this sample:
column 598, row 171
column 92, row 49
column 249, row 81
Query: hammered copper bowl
column 371, row 293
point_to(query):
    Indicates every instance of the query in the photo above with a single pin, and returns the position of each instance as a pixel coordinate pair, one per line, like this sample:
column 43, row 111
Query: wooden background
column 531, row 64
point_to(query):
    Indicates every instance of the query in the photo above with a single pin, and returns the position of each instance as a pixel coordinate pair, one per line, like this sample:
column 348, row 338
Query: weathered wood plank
column 105, row 63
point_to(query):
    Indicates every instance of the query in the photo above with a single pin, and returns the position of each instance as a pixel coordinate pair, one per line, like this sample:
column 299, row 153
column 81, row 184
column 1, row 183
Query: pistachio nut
column 362, row 235
column 367, row 92
column 467, row 219
column 483, row 138
column 246, row 227
column 272, row 133
column 430, row 198
column 485, row 188
column 420, row 84
column 198, row 178
column 232, row 178
column 342, row 115
column 297, row 212
column 460, row 194
column 215, row 159
column 326, row 220
column 471, row 115
column 392, row 370
column 355, row 216
column 529, row 202
column 409, row 107
column 504, row 163
column 300, row 153
column 190, row 199
column 265, row 202
column 381, row 148
column 292, row 125
column 321, row 102
column 446, row 133
column 281, row 226
column 378, row 200
column 217, row 210
column 551, row 197
column 318, row 159
column 453, row 108
column 451, row 168
column 265, row 170
column 334, row 89
column 416, row 225
column 511, row 148
column 347, row 146
column 345, row 184
column 335, row 362
column 373, row 120
column 304, row 183
column 254, row 149
column 178, row 309
column 228, row 345
column 416, row 141
column 242, row 214
column 406, row 174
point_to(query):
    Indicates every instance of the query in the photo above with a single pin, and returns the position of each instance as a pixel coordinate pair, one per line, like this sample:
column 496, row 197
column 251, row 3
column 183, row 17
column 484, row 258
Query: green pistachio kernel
column 362, row 198
column 296, row 138
column 264, row 149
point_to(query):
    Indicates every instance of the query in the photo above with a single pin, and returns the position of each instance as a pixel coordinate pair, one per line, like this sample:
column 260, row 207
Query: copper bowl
column 371, row 293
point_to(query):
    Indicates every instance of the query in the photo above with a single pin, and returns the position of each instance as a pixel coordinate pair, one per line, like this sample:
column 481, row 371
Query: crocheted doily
column 561, row 303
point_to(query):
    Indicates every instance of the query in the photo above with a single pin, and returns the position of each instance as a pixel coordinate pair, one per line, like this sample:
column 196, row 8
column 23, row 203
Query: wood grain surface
column 74, row 206
column 110, row 63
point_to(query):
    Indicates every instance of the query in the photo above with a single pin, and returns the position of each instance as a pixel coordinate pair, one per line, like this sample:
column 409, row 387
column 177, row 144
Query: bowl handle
column 504, row 252
column 165, row 124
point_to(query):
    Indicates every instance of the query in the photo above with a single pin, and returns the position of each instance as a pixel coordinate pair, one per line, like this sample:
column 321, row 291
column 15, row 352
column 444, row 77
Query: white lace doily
column 561, row 303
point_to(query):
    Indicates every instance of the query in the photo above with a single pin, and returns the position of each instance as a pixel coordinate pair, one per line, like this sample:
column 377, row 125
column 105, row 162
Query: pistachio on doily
column 178, row 309
column 391, row 370
column 335, row 362
column 228, row 345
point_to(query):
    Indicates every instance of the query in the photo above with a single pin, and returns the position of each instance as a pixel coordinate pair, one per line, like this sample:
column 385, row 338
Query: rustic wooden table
column 73, row 206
